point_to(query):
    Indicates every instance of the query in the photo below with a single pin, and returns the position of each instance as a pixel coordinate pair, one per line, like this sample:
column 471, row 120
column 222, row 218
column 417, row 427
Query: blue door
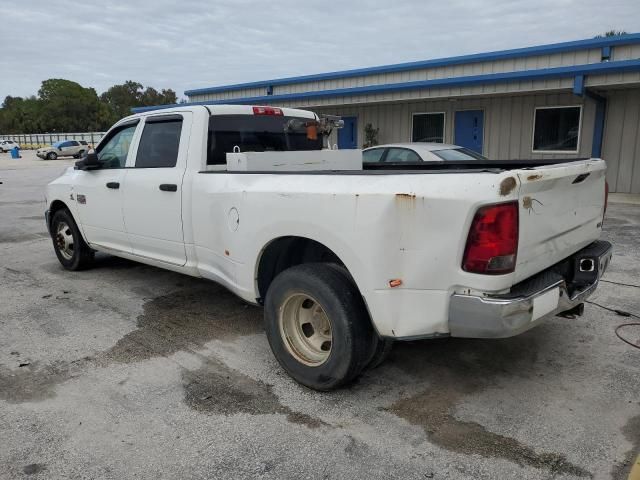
column 469, row 129
column 348, row 135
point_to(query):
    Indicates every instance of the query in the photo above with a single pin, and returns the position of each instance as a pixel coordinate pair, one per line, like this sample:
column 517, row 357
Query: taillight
column 492, row 243
column 267, row 111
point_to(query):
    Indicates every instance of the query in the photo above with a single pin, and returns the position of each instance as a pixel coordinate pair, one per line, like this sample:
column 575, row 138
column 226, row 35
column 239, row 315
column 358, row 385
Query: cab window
column 112, row 151
column 160, row 142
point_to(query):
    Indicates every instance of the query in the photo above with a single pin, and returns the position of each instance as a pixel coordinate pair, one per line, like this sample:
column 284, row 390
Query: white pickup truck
column 344, row 258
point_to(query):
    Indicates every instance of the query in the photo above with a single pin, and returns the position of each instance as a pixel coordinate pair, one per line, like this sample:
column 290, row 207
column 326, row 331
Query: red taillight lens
column 267, row 111
column 492, row 243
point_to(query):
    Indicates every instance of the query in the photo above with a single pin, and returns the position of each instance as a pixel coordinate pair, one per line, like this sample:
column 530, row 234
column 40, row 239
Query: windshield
column 259, row 133
column 57, row 144
column 458, row 154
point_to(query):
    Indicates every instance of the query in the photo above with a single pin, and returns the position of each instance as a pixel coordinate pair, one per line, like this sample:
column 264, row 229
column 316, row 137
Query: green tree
column 20, row 115
column 121, row 98
column 68, row 106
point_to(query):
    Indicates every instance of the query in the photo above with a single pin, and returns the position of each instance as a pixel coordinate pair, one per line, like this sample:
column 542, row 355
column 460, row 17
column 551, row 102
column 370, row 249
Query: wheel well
column 55, row 206
column 286, row 252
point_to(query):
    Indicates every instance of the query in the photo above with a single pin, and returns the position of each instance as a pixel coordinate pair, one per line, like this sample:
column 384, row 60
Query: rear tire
column 380, row 352
column 71, row 249
column 317, row 326
column 52, row 156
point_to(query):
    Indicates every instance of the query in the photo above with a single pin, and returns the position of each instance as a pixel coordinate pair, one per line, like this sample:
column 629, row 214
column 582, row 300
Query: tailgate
column 561, row 209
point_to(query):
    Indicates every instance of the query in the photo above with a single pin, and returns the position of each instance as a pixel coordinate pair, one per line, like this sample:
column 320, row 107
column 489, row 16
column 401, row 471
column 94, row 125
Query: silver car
column 418, row 152
column 65, row 148
column 6, row 145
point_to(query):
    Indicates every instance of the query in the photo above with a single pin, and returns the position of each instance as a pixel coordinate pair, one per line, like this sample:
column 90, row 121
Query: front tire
column 71, row 249
column 317, row 326
column 52, row 156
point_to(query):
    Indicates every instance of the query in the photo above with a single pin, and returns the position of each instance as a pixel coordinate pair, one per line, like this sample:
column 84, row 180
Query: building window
column 556, row 129
column 428, row 127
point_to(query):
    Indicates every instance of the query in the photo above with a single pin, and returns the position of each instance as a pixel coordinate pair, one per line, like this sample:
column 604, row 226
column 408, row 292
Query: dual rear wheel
column 318, row 326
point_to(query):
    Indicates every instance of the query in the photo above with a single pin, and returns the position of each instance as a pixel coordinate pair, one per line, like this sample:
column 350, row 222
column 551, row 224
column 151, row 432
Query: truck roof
column 222, row 110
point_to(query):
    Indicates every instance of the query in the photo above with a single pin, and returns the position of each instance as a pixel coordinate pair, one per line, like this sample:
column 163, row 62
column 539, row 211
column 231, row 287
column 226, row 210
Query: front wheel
column 317, row 325
column 52, row 156
column 71, row 249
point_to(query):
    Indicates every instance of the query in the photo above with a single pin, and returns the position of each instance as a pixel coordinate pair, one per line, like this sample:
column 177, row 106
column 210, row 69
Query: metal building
column 564, row 100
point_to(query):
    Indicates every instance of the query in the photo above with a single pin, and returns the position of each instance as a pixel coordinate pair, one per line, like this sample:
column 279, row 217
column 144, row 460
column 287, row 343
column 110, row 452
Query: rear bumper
column 555, row 290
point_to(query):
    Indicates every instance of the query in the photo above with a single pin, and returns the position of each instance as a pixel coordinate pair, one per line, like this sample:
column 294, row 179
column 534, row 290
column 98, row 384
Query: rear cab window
column 160, row 142
column 259, row 133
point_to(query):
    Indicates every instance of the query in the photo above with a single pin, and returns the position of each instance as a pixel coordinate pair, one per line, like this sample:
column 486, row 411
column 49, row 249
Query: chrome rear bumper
column 547, row 293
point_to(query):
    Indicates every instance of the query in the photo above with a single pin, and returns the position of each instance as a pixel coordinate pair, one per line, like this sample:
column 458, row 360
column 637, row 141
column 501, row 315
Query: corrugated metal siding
column 508, row 124
column 578, row 57
column 621, row 147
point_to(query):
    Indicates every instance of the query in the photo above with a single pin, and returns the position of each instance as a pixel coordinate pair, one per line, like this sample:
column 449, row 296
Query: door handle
column 168, row 187
column 115, row 185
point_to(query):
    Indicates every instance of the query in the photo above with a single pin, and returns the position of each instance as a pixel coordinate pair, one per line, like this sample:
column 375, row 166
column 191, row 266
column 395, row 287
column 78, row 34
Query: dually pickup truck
column 345, row 258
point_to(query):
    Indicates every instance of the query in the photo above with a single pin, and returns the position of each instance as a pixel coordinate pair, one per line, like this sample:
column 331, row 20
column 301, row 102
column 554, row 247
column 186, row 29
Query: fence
column 30, row 141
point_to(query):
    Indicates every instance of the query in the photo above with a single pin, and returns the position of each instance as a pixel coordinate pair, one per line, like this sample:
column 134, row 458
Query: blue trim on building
column 598, row 124
column 578, row 85
column 556, row 72
column 605, row 42
column 539, row 74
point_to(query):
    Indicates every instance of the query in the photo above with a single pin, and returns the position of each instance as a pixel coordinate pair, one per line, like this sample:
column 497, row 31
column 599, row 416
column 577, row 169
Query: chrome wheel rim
column 305, row 329
column 64, row 240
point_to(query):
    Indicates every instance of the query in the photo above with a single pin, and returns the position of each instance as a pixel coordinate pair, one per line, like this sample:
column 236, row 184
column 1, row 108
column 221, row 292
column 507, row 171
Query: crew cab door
column 98, row 193
column 153, row 189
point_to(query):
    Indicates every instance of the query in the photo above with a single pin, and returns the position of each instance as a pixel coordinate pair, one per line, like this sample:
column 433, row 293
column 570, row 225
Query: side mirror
column 89, row 162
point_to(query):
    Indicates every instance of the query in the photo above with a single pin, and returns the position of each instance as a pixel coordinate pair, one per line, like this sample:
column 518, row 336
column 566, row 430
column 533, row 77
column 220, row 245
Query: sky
column 186, row 44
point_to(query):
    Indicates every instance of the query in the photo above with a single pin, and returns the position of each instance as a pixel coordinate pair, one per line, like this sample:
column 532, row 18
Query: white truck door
column 153, row 189
column 98, row 193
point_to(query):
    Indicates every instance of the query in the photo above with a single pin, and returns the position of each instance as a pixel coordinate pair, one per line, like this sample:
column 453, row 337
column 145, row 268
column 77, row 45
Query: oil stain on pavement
column 631, row 432
column 458, row 369
column 185, row 320
column 182, row 320
column 215, row 388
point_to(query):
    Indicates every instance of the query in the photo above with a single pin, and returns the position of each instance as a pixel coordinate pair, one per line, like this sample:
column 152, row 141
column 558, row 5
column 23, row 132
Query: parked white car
column 6, row 145
column 419, row 152
column 65, row 148
column 345, row 259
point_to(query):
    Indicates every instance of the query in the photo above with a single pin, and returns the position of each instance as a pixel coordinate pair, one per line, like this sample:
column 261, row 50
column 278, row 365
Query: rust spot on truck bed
column 528, row 203
column 532, row 178
column 406, row 196
column 507, row 185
